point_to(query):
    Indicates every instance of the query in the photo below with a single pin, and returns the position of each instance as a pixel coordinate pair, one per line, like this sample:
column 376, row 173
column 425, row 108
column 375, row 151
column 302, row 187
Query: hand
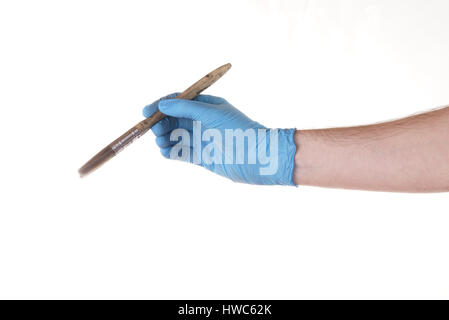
column 210, row 132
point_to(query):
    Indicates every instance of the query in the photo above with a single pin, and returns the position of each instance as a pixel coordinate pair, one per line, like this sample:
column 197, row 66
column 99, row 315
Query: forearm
column 409, row 155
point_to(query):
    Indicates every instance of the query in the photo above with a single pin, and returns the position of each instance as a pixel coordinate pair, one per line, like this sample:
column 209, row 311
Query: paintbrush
column 143, row 126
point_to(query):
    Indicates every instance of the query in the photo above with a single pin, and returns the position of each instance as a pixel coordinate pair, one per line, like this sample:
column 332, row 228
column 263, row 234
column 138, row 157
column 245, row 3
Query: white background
column 75, row 74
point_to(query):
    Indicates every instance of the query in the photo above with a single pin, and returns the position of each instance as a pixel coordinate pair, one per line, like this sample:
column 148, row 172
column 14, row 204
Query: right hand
column 216, row 113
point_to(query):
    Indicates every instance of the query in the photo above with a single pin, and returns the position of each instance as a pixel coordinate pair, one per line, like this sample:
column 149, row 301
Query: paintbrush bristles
column 94, row 163
column 143, row 126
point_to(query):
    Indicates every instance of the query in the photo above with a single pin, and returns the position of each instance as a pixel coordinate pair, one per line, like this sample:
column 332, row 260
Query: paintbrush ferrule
column 126, row 140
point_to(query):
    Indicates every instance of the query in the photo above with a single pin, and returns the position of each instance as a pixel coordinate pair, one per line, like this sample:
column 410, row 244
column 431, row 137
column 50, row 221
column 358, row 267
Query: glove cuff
column 286, row 151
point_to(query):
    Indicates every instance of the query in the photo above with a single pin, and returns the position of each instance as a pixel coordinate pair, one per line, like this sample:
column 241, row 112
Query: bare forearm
column 409, row 155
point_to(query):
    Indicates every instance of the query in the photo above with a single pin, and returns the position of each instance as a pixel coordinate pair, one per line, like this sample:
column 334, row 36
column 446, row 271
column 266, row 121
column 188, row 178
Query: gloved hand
column 212, row 133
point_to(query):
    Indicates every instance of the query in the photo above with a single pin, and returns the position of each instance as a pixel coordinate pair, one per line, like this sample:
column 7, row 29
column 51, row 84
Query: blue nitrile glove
column 209, row 131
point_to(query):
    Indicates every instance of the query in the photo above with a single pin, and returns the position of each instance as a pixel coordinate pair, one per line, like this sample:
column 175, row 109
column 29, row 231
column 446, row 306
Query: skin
column 406, row 155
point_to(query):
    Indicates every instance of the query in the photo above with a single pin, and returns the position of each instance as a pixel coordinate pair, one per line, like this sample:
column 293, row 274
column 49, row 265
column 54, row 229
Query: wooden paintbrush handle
column 143, row 126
